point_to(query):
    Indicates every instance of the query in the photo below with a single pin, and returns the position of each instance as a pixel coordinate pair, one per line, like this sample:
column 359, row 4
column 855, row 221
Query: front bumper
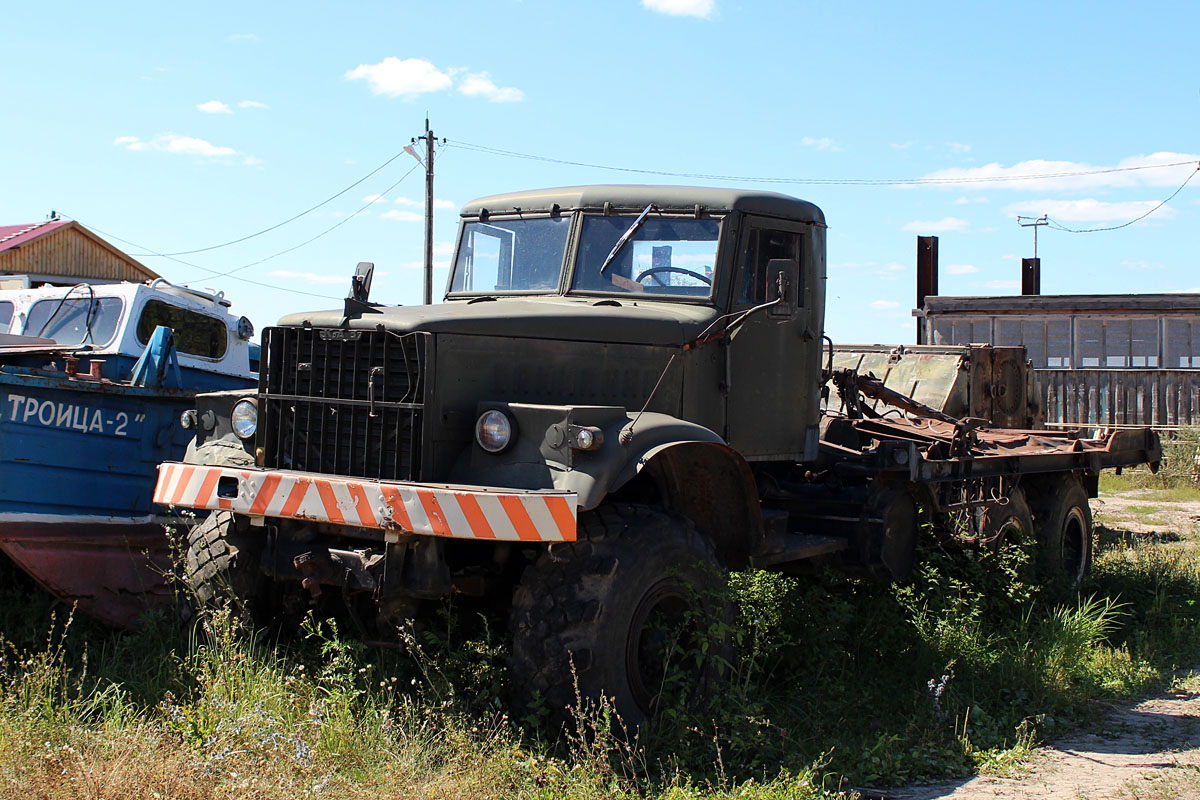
column 463, row 512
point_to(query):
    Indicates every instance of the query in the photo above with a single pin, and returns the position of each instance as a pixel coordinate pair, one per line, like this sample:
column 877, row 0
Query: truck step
column 783, row 548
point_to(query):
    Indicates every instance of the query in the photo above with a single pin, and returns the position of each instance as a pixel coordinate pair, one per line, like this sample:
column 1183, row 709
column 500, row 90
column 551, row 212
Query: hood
column 590, row 319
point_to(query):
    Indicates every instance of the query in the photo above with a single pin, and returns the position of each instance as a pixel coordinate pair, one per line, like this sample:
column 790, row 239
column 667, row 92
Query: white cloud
column 958, row 147
column 884, row 305
column 372, row 198
column 405, row 78
column 681, row 8
column 1016, row 177
column 943, row 225
column 309, row 277
column 823, row 143
column 478, row 84
column 963, row 201
column 421, row 265
column 961, row 269
column 403, row 216
column 1089, row 210
column 130, row 143
column 1003, row 284
column 215, row 107
column 191, row 146
column 251, row 104
column 182, row 145
column 443, row 248
column 902, row 145
column 437, row 203
column 1140, row 265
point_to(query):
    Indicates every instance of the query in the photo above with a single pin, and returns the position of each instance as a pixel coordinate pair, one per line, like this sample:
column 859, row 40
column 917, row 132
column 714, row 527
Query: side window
column 764, row 244
column 195, row 334
column 74, row 320
column 6, row 312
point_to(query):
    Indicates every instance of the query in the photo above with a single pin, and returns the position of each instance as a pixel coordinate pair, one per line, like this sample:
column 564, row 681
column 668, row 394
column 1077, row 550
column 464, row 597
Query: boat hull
column 78, row 463
column 114, row 570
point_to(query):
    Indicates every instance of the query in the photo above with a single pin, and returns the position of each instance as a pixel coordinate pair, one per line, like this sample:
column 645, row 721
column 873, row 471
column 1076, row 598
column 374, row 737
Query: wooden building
column 59, row 251
column 1101, row 360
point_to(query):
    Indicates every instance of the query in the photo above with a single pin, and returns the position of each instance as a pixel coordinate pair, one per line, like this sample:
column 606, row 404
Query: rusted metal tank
column 971, row 380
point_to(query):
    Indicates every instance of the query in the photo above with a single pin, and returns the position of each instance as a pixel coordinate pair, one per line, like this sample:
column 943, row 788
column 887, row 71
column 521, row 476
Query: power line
column 230, row 273
column 279, row 224
column 813, row 181
column 213, row 272
column 327, row 230
column 1059, row 227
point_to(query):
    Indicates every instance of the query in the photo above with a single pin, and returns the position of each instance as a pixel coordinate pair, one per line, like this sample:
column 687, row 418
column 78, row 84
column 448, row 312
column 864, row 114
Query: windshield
column 666, row 256
column 511, row 255
column 75, row 319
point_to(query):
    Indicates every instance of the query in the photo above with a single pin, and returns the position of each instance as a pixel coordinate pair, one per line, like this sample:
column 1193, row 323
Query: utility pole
column 1035, row 223
column 430, row 140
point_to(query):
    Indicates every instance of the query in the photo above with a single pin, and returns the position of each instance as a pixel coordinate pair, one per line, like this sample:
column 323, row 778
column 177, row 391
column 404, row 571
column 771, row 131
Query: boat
column 94, row 378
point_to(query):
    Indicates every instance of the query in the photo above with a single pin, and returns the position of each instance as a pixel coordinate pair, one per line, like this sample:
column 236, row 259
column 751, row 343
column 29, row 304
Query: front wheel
column 222, row 564
column 635, row 613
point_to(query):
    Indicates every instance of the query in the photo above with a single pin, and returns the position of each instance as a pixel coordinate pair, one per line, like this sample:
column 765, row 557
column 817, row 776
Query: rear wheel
column 635, row 613
column 1010, row 523
column 1064, row 529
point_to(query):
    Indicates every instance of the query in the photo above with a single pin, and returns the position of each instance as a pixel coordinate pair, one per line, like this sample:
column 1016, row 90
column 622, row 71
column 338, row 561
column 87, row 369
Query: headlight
column 494, row 431
column 244, row 418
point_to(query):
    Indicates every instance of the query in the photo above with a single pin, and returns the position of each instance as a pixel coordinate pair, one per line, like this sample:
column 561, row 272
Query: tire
column 1063, row 520
column 222, row 564
column 1011, row 522
column 599, row 617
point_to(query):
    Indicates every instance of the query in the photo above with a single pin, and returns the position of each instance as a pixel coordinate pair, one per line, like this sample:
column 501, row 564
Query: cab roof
column 626, row 198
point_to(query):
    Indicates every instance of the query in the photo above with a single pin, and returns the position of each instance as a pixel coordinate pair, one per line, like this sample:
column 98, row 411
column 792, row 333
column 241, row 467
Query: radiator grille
column 342, row 402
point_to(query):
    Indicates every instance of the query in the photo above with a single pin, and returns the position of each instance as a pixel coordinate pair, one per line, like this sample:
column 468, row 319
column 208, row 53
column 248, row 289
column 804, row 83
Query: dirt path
column 1147, row 751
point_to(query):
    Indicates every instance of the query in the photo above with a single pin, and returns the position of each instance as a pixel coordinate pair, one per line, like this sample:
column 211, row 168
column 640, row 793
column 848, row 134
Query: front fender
column 541, row 456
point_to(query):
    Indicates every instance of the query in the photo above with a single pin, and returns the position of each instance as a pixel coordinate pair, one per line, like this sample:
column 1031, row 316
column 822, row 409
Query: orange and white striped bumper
column 460, row 512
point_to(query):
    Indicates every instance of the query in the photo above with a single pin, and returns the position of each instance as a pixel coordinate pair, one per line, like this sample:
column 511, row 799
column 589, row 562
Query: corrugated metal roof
column 14, row 235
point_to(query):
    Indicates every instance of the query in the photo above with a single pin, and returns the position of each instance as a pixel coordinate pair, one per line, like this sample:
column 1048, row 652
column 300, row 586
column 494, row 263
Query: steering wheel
column 654, row 271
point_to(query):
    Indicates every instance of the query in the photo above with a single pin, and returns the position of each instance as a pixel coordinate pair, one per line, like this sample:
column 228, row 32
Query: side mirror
column 360, row 284
column 783, row 276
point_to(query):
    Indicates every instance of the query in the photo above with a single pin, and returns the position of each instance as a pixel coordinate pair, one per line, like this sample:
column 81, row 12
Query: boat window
column 196, row 334
column 6, row 311
column 75, row 319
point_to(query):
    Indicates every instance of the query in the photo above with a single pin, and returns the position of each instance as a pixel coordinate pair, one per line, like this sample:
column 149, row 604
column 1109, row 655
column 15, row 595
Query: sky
column 172, row 128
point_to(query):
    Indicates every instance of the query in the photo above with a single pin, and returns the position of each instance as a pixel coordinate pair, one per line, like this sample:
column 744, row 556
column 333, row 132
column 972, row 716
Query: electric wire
column 279, row 224
column 215, row 273
column 812, row 181
column 340, row 223
column 212, row 272
column 1060, row 227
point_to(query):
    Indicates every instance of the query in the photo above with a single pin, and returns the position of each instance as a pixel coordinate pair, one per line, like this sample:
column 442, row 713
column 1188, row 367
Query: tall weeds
column 837, row 683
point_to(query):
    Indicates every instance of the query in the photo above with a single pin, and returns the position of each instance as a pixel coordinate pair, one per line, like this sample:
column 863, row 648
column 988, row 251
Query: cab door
column 774, row 357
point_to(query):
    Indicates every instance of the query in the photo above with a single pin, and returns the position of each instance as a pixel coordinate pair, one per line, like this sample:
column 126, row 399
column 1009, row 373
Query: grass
column 839, row 683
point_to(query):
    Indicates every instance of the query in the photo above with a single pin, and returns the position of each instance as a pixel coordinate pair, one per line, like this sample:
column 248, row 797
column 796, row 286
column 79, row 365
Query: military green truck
column 626, row 394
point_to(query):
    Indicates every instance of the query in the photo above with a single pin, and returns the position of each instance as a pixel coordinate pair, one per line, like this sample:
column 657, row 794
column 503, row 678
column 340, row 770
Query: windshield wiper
column 625, row 237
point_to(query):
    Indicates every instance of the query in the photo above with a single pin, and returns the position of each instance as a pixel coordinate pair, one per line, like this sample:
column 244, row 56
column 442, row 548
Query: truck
column 626, row 394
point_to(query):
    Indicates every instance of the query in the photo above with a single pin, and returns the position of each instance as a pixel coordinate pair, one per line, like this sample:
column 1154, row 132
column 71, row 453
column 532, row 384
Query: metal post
column 429, row 140
column 927, row 279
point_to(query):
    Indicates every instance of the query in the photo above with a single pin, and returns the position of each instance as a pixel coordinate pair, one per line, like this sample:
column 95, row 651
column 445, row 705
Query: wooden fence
column 1160, row 398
